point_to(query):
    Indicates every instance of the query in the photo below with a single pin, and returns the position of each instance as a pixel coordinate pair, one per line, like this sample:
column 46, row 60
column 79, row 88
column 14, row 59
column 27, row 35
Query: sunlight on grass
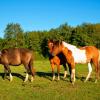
column 43, row 88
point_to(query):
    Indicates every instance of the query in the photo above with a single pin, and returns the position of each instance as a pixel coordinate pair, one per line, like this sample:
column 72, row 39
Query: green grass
column 43, row 88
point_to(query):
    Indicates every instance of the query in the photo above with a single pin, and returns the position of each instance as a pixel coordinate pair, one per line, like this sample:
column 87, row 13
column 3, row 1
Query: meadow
column 43, row 88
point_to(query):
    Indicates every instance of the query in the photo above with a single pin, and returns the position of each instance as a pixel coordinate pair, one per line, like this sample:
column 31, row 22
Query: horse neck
column 63, row 49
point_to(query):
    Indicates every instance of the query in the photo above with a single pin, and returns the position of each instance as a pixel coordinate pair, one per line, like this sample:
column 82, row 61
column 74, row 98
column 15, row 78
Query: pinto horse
column 57, row 60
column 15, row 57
column 86, row 54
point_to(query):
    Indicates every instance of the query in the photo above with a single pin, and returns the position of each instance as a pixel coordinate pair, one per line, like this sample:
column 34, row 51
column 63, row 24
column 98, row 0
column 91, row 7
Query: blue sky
column 47, row 14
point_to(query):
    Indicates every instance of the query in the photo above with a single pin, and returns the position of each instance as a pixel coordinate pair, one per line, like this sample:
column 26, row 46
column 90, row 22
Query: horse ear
column 48, row 39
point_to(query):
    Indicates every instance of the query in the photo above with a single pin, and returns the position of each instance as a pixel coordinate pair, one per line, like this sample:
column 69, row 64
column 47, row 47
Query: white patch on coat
column 26, row 78
column 11, row 77
column 79, row 55
column 53, row 77
column 73, row 75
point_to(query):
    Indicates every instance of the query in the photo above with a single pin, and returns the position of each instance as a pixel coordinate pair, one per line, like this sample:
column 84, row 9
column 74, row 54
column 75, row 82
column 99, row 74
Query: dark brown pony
column 87, row 54
column 57, row 60
column 15, row 57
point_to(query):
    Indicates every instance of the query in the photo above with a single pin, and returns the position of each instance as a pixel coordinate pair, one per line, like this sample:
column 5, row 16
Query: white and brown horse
column 83, row 55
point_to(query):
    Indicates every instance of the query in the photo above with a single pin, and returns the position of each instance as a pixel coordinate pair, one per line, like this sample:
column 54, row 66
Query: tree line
column 81, row 35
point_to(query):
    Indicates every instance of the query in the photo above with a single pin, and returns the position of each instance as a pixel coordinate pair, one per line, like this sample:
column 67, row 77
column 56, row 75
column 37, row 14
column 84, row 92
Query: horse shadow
column 83, row 78
column 13, row 74
column 48, row 75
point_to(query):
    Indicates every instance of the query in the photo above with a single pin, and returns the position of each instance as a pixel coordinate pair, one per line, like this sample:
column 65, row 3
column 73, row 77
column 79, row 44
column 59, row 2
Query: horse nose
column 53, row 54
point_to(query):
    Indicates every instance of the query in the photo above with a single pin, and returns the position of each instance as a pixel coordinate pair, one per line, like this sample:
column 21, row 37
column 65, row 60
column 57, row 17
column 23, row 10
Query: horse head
column 57, row 47
column 50, row 45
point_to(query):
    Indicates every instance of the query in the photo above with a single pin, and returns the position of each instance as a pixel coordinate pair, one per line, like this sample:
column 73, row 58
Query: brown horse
column 87, row 54
column 15, row 57
column 57, row 60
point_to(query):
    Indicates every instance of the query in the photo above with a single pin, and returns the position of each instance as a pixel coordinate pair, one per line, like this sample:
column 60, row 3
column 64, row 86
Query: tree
column 65, row 32
column 14, row 32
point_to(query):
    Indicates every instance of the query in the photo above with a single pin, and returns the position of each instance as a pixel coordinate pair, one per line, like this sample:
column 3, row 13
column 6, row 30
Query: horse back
column 26, row 55
column 15, row 56
column 91, row 51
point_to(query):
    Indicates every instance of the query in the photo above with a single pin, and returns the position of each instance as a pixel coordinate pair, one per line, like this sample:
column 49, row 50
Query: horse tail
column 99, row 63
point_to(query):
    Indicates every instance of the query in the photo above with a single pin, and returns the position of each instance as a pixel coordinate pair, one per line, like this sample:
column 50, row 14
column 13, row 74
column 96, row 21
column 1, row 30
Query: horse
column 16, row 57
column 57, row 60
column 82, row 55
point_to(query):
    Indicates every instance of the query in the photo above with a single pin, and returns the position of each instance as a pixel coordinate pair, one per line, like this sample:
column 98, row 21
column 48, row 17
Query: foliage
column 14, row 35
column 81, row 35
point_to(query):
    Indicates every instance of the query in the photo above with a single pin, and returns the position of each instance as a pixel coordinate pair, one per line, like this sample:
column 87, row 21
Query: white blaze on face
column 79, row 55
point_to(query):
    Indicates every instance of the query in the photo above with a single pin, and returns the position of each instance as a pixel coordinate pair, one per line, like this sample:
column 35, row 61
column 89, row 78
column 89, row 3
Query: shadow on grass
column 13, row 74
column 83, row 79
column 48, row 75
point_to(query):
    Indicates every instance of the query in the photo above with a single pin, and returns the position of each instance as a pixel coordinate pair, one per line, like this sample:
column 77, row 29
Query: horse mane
column 4, row 51
column 57, row 43
column 50, row 40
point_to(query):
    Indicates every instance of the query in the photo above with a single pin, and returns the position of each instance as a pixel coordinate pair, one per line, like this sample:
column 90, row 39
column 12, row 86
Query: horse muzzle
column 53, row 54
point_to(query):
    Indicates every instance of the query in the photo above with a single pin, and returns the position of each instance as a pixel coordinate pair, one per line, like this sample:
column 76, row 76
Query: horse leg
column 65, row 72
column 73, row 75
column 96, row 64
column 11, row 77
column 52, row 66
column 32, row 72
column 5, row 73
column 70, row 61
column 69, row 69
column 26, row 78
column 69, row 66
column 31, row 68
column 9, row 71
column 72, row 72
column 89, row 73
column 58, row 71
column 27, row 73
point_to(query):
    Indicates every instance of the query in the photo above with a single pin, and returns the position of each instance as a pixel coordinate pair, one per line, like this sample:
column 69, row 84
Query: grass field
column 43, row 88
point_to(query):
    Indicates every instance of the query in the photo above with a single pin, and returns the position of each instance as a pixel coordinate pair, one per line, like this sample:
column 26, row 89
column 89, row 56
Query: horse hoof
column 10, row 80
column 53, row 79
column 4, row 78
column 32, row 79
column 85, row 81
column 58, row 79
column 95, row 81
column 64, row 77
column 25, row 81
column 73, row 83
